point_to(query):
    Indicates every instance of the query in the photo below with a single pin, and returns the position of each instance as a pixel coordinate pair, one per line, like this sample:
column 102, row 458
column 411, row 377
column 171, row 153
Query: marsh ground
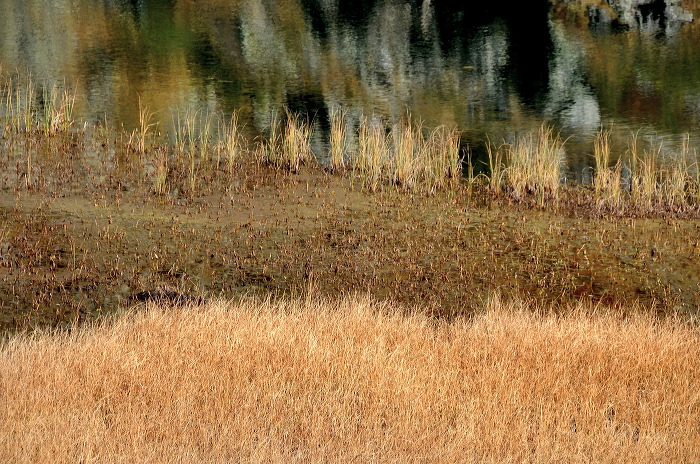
column 73, row 253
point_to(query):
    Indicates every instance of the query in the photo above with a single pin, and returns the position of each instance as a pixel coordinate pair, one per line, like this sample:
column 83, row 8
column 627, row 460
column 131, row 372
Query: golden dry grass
column 354, row 381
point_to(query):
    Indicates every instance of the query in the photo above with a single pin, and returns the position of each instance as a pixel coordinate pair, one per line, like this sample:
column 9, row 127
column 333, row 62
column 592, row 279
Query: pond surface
column 493, row 69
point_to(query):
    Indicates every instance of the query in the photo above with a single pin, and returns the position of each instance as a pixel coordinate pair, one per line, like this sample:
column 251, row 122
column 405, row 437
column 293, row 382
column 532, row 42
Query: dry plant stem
column 696, row 179
column 28, row 107
column 204, row 139
column 233, row 141
column 145, row 125
column 191, row 124
column 315, row 381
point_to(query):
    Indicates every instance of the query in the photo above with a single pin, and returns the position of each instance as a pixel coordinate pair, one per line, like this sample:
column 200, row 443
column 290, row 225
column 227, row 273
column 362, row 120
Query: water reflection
column 488, row 69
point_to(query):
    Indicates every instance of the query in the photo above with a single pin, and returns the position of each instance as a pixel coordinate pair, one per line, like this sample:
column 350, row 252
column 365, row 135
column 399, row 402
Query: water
column 492, row 69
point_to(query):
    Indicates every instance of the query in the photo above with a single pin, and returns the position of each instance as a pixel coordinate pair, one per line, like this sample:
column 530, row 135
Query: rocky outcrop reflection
column 660, row 17
column 570, row 99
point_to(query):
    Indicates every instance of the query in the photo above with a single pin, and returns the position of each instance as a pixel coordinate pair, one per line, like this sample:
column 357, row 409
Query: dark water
column 490, row 68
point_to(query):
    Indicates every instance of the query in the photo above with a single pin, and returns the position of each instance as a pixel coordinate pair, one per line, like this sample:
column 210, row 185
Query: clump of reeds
column 354, row 380
column 531, row 165
column 338, row 139
column 19, row 105
column 296, row 143
column 643, row 175
column 442, row 164
column 658, row 182
column 57, row 110
column 160, row 176
column 27, row 110
column 607, row 180
column 644, row 179
column 405, row 157
column 497, row 167
column 141, row 134
column 370, row 161
column 680, row 178
column 192, row 144
column 232, row 141
column 406, row 140
column 288, row 145
column 534, row 164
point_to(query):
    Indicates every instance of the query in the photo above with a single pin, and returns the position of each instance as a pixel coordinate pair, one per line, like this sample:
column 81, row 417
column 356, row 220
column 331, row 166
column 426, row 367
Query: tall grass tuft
column 534, row 164
column 57, row 110
column 288, row 145
column 145, row 125
column 407, row 142
column 187, row 136
column 405, row 158
column 233, row 141
column 442, row 162
column 160, row 176
column 497, row 167
column 354, row 380
column 644, row 176
column 607, row 181
column 370, row 162
column 296, row 143
column 678, row 179
column 531, row 165
column 19, row 105
column 338, row 139
column 271, row 148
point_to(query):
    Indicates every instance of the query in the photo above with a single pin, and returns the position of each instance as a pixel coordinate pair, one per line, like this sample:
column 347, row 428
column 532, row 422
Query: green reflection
column 486, row 69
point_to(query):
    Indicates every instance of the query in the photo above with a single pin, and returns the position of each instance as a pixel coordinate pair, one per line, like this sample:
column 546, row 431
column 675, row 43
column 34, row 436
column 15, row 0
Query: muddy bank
column 72, row 257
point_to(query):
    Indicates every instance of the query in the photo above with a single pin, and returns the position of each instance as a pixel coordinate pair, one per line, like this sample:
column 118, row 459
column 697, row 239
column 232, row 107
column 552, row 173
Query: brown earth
column 69, row 256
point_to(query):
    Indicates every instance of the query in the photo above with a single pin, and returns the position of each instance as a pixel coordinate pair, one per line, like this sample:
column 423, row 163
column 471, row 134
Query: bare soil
column 71, row 255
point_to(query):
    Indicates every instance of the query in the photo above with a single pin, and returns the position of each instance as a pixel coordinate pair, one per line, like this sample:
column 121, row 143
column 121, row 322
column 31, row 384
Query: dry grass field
column 354, row 381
